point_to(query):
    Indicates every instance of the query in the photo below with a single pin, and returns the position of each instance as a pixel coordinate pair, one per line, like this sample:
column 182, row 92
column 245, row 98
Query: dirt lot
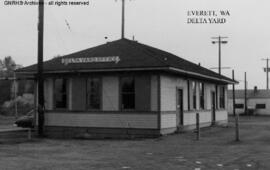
column 216, row 150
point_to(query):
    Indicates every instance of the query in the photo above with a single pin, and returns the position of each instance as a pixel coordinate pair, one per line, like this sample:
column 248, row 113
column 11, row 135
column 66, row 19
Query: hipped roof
column 133, row 56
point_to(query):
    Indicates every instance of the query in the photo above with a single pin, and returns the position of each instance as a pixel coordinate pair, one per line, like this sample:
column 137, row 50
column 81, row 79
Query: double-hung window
column 201, row 88
column 128, row 93
column 60, row 93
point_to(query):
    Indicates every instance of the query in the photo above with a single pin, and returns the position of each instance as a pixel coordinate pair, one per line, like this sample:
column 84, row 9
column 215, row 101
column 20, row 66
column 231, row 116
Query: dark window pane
column 239, row 106
column 128, row 84
column 60, row 93
column 128, row 101
column 128, row 92
column 194, row 95
column 260, row 106
column 201, row 86
column 93, row 93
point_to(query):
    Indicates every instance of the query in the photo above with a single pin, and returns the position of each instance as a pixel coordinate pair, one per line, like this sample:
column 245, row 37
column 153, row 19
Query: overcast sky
column 159, row 23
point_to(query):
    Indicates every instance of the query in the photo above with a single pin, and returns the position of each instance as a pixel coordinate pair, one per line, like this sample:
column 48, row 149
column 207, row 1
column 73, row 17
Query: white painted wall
column 221, row 115
column 110, row 93
column 168, row 120
column 190, row 117
column 251, row 103
column 169, row 85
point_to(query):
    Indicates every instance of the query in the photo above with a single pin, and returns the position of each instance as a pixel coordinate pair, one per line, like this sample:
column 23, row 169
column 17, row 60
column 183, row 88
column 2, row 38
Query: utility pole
column 233, row 86
column 123, row 19
column 40, row 68
column 267, row 72
column 219, row 41
column 15, row 94
column 246, row 93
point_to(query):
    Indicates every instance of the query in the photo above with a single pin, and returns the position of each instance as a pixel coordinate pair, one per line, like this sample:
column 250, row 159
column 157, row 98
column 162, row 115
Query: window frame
column 202, row 95
column 66, row 93
column 237, row 106
column 121, row 93
column 194, row 94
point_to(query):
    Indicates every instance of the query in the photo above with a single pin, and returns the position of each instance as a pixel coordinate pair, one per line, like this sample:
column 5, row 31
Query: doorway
column 180, row 108
column 213, row 107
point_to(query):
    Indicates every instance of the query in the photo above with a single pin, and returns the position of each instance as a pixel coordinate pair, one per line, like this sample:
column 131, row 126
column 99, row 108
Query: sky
column 158, row 23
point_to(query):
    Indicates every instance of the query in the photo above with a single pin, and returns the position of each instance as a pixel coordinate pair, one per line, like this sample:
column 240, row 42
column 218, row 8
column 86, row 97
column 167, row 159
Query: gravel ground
column 216, row 150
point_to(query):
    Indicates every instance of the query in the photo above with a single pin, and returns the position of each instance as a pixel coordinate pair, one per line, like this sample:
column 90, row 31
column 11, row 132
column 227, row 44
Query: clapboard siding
column 168, row 120
column 190, row 117
column 114, row 120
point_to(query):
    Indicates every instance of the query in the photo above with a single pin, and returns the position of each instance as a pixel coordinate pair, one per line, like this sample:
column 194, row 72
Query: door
column 213, row 107
column 180, row 107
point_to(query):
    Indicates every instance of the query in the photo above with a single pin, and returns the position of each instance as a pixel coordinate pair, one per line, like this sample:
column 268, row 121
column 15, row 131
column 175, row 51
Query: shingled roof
column 124, row 54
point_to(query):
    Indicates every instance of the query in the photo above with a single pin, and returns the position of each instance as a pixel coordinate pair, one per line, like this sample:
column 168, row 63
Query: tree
column 9, row 64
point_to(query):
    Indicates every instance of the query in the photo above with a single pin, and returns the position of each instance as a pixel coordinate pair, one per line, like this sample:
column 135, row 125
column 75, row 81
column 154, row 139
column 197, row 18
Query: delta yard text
column 206, row 20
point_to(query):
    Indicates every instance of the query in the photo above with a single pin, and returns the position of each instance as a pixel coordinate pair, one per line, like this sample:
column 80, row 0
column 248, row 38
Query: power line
column 220, row 41
column 267, row 72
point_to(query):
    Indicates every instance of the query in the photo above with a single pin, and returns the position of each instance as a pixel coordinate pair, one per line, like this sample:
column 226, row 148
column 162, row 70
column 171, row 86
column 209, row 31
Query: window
column 201, row 88
column 128, row 93
column 60, row 92
column 194, row 94
column 222, row 97
column 93, row 93
column 260, row 106
column 239, row 106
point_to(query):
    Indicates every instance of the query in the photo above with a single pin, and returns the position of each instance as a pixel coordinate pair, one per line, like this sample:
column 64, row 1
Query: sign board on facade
column 114, row 59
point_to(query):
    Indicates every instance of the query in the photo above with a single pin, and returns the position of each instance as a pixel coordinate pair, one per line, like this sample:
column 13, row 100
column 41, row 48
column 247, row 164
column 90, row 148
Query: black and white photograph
column 134, row 85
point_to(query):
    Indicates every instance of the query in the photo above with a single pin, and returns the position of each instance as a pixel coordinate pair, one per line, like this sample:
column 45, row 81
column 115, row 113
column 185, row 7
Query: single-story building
column 258, row 101
column 127, row 88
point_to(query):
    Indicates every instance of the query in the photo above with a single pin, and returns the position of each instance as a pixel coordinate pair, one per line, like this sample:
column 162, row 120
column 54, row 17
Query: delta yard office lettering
column 207, row 16
column 115, row 59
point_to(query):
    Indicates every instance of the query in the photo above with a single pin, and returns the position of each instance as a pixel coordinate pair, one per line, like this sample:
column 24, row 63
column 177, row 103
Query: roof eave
column 201, row 75
column 136, row 69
